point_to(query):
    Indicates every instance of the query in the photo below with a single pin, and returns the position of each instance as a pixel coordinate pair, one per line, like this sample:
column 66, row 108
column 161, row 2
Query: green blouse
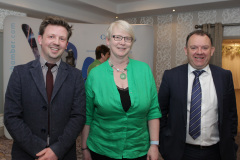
column 114, row 132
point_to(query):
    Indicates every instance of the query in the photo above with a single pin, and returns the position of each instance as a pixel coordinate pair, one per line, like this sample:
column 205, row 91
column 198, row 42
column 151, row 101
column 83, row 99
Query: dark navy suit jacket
column 26, row 111
column 173, row 103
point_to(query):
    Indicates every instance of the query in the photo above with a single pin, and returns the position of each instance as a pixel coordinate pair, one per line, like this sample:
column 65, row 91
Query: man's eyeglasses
column 119, row 38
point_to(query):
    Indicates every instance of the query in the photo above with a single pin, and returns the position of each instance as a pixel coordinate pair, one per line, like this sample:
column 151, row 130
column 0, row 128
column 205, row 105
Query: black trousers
column 96, row 156
column 193, row 152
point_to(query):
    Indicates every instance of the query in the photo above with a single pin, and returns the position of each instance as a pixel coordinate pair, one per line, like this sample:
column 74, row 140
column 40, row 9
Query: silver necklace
column 122, row 75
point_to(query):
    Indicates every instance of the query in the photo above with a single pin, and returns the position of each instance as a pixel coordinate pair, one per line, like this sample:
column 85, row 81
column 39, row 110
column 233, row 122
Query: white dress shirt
column 209, row 109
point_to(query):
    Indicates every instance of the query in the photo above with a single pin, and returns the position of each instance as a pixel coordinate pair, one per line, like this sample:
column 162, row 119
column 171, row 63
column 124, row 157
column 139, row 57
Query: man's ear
column 185, row 50
column 102, row 55
column 212, row 50
column 66, row 45
column 40, row 40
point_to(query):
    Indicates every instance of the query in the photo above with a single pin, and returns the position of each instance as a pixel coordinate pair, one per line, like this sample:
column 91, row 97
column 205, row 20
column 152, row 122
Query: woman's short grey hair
column 121, row 24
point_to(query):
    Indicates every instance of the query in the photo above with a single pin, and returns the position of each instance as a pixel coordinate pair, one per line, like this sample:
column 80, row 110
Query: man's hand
column 47, row 154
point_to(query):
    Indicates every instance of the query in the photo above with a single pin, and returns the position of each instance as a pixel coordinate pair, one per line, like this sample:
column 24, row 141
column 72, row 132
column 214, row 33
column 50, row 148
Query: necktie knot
column 50, row 65
column 197, row 73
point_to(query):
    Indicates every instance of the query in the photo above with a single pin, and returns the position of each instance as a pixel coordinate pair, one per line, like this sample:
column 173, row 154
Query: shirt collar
column 43, row 62
column 191, row 69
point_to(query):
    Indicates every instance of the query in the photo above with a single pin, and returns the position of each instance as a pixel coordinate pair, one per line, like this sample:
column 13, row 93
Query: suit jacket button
column 44, row 108
column 43, row 130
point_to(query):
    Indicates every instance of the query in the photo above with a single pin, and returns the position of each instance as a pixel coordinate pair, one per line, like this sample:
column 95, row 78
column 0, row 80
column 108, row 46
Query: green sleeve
column 89, row 101
column 154, row 111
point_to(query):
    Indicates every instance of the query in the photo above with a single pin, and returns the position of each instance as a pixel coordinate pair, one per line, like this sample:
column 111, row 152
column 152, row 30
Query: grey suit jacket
column 173, row 103
column 26, row 111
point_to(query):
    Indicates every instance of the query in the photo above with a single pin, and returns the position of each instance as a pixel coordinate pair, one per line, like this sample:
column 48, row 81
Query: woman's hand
column 153, row 152
column 85, row 151
column 86, row 154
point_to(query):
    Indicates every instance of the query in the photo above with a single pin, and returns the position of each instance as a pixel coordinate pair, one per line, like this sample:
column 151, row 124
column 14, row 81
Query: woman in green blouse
column 122, row 105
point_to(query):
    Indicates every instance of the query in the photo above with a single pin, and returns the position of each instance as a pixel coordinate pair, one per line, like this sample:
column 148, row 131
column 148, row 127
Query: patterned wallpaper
column 4, row 13
column 171, row 31
column 163, row 44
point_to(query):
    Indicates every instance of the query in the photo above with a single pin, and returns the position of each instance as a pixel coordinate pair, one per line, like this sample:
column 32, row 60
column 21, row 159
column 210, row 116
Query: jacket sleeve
column 232, row 105
column 163, row 99
column 89, row 100
column 13, row 117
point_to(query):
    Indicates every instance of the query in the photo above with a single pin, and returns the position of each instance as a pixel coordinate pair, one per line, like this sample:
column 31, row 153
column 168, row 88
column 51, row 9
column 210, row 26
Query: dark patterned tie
column 49, row 80
column 195, row 109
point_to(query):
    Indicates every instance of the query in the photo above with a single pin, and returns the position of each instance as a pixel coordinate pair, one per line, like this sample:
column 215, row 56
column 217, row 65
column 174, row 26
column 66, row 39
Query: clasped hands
column 46, row 154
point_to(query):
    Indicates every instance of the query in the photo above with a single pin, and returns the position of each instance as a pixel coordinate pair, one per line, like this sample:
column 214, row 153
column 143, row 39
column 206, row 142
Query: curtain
column 216, row 33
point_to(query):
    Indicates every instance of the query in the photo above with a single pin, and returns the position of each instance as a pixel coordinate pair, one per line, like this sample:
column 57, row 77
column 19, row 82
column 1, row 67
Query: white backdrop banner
column 21, row 46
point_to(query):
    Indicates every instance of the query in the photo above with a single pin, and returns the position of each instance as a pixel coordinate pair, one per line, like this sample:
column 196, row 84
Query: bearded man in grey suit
column 45, row 125
column 199, row 122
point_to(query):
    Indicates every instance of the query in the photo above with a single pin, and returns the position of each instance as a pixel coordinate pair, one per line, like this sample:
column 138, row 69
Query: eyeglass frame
column 121, row 37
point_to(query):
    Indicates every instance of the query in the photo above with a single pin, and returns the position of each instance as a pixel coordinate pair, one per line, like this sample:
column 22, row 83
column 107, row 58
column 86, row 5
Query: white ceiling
column 105, row 11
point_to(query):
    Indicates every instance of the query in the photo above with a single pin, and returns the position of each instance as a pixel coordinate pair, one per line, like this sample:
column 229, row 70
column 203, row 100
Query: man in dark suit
column 215, row 115
column 45, row 125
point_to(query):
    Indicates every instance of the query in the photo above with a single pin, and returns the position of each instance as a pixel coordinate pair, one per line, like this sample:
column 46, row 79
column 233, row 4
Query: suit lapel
column 61, row 76
column 36, row 72
column 217, row 80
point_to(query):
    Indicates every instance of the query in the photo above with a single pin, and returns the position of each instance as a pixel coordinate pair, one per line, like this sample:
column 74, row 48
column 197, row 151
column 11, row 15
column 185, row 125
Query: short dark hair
column 54, row 20
column 101, row 49
column 201, row 33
